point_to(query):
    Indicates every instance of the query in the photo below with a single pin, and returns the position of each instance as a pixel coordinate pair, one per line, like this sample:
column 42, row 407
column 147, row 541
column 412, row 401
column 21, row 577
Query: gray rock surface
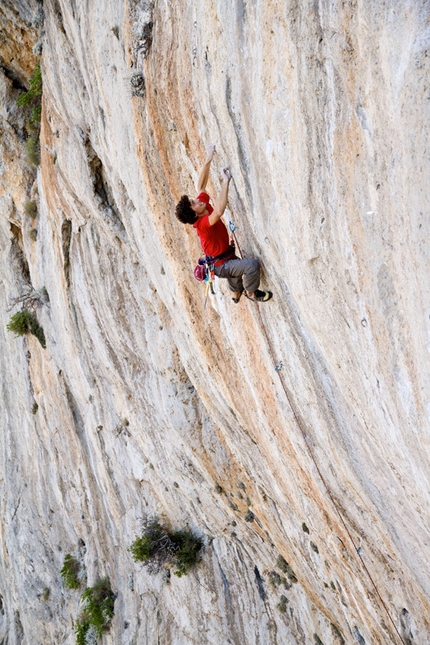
column 146, row 402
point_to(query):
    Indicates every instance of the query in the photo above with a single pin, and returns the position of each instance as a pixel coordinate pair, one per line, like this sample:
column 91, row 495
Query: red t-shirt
column 214, row 239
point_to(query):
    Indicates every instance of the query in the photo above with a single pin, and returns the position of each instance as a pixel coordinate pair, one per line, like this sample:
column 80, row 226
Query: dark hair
column 184, row 212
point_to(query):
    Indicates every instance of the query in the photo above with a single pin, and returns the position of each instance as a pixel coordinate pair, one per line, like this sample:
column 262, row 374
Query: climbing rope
column 278, row 369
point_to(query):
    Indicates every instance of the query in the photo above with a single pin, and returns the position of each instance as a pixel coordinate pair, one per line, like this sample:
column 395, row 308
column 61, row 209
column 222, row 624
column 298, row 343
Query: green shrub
column 30, row 208
column 81, row 629
column 24, row 322
column 98, row 610
column 36, row 113
column 31, row 102
column 155, row 539
column 70, row 572
column 32, row 146
column 33, row 234
column 188, row 551
column 31, row 98
column 159, row 546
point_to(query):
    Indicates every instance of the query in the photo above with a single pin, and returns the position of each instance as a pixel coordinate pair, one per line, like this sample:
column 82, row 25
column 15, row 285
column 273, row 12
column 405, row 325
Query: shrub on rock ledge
column 159, row 547
column 70, row 572
column 24, row 322
column 32, row 147
column 32, row 99
column 98, row 610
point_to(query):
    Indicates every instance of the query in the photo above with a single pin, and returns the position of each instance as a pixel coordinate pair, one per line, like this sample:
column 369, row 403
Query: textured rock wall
column 149, row 403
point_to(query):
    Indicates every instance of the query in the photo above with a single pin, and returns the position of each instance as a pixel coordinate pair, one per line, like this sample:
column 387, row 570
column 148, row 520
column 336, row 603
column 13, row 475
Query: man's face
column 198, row 207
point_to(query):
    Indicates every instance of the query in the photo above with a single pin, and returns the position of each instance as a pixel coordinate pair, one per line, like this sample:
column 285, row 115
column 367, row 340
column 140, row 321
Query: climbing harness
column 278, row 368
column 230, row 254
column 205, row 269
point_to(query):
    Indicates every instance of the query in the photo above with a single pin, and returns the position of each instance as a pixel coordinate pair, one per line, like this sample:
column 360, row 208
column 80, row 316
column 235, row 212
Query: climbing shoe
column 260, row 296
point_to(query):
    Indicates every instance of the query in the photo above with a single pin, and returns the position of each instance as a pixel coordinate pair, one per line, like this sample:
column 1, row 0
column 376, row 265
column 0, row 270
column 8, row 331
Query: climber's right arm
column 204, row 172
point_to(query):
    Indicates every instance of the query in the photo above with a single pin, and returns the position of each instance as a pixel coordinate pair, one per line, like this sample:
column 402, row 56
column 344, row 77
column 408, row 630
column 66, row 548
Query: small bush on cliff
column 70, row 572
column 159, row 547
column 24, row 322
column 187, row 555
column 32, row 146
column 30, row 208
column 98, row 610
column 31, row 102
column 81, row 629
column 32, row 98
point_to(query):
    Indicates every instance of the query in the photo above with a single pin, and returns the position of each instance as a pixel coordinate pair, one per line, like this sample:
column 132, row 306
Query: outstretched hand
column 211, row 150
column 204, row 171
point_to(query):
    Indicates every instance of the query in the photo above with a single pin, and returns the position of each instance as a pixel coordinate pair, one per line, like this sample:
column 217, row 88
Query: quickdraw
column 210, row 279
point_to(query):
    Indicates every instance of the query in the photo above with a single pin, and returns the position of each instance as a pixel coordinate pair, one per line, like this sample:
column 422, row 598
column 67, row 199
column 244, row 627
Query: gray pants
column 240, row 274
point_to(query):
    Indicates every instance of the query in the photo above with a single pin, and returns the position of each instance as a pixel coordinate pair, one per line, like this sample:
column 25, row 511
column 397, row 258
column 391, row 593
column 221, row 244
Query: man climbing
column 243, row 276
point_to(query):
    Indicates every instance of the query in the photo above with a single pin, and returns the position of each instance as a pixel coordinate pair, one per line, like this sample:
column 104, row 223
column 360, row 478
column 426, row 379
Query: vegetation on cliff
column 70, row 572
column 98, row 610
column 31, row 102
column 160, row 547
column 24, row 322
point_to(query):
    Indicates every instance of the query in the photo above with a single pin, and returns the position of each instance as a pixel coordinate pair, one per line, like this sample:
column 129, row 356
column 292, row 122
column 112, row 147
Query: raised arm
column 221, row 202
column 204, row 172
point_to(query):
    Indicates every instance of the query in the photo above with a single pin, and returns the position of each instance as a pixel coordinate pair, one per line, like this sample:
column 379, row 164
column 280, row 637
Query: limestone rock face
column 297, row 428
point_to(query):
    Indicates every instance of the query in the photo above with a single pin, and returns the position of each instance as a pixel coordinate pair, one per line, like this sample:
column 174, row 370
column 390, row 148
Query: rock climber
column 243, row 276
